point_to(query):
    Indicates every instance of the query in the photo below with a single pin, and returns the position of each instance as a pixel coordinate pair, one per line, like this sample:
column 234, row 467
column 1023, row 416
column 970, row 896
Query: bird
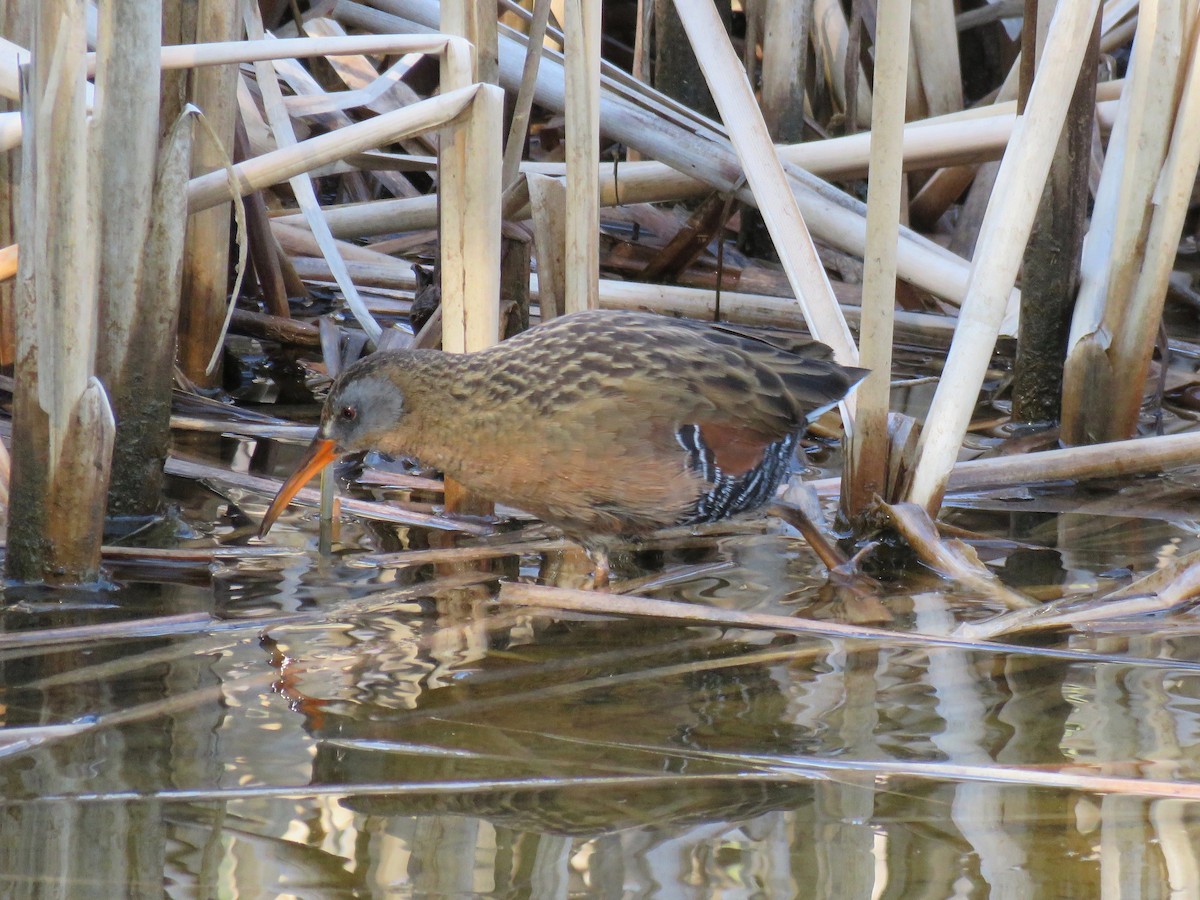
column 608, row 424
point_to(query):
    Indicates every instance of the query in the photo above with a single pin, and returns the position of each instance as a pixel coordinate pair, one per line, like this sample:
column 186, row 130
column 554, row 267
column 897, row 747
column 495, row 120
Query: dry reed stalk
column 388, row 94
column 949, row 141
column 1112, row 253
column 581, row 259
column 1139, row 456
column 299, row 241
column 1175, row 582
column 378, row 512
column 205, row 191
column 464, row 554
column 152, row 626
column 938, row 194
column 618, row 81
column 869, row 445
column 785, row 34
column 941, row 272
column 482, row 30
column 392, row 274
column 991, row 774
column 785, row 54
column 325, row 335
column 935, row 51
column 920, row 329
column 946, row 185
column 1119, row 36
column 641, row 44
column 1115, row 11
column 506, row 786
column 1136, row 331
column 266, row 258
column 1114, row 459
column 206, row 255
column 547, row 202
column 853, row 75
column 523, row 105
column 772, row 770
column 831, row 39
column 140, row 380
column 927, row 144
column 253, row 122
column 998, row 254
column 768, row 183
column 365, row 86
column 218, row 53
column 330, row 338
column 951, row 559
column 302, row 187
column 1071, row 612
column 175, row 57
column 374, row 217
column 1162, row 591
column 297, row 433
column 131, row 661
column 516, row 269
column 131, row 334
column 470, row 155
column 704, row 155
column 688, row 240
column 63, row 426
column 600, row 603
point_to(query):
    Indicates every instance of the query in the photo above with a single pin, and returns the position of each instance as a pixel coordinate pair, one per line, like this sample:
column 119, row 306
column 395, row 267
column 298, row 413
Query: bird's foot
column 601, row 571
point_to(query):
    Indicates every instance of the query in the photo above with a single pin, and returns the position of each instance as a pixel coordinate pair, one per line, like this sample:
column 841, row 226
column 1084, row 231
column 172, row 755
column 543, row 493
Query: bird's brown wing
column 812, row 381
column 786, row 339
column 745, row 387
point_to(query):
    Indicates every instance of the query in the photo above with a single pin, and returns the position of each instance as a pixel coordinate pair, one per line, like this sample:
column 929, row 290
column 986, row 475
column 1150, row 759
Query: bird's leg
column 580, row 566
column 601, row 570
column 828, row 552
column 859, row 593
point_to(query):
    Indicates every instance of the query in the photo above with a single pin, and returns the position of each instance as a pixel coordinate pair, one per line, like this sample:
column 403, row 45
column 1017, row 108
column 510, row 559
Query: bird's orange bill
column 320, row 453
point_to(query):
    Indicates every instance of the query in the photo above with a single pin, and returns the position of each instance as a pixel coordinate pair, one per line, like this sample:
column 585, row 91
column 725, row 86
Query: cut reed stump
column 143, row 215
column 1050, row 276
column 62, row 424
column 137, row 369
column 871, row 448
column 1141, row 202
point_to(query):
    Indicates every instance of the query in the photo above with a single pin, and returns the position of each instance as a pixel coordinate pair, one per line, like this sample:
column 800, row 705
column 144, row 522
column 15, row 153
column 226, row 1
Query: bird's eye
column 349, row 413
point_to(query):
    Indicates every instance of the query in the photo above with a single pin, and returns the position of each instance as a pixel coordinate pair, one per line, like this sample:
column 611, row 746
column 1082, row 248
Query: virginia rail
column 606, row 424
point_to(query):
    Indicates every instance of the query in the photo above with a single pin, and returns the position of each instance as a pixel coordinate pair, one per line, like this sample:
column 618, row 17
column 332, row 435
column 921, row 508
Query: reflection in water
column 407, row 736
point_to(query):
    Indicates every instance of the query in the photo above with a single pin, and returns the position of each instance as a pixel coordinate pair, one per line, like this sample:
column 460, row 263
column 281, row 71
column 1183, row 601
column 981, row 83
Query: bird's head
column 364, row 406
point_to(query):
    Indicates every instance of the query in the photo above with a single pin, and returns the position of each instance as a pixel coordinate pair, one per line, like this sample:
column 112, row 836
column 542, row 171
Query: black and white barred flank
column 733, row 494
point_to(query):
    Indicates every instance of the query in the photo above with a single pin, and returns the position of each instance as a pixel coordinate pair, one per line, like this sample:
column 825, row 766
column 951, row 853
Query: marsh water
column 345, row 725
